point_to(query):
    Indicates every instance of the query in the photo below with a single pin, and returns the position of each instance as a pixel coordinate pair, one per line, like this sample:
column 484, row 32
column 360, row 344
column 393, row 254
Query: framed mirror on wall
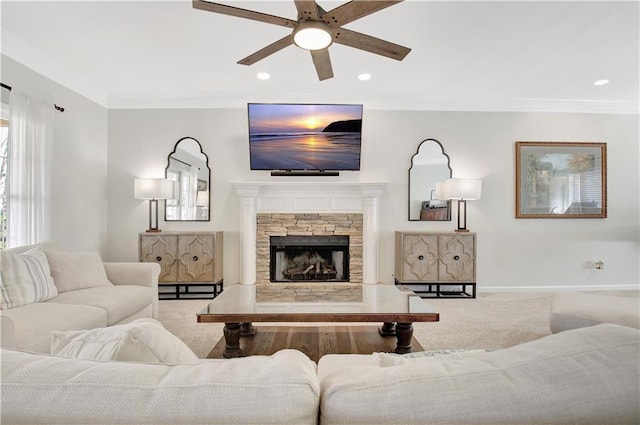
column 188, row 168
column 428, row 165
column 561, row 180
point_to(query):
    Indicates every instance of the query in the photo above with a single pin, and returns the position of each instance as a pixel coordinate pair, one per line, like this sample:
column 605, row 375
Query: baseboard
column 557, row 288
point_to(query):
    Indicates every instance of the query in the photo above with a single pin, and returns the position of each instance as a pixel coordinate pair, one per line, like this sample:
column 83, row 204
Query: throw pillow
column 25, row 278
column 143, row 340
column 77, row 270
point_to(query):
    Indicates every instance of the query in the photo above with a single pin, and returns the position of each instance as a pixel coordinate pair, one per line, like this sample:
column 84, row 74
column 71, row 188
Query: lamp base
column 462, row 216
column 153, row 228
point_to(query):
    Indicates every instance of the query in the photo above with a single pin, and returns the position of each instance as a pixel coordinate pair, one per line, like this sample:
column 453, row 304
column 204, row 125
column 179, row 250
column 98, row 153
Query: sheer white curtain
column 29, row 169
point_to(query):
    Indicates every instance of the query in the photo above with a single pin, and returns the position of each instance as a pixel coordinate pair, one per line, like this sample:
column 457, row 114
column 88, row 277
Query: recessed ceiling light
column 263, row 76
column 600, row 82
column 364, row 77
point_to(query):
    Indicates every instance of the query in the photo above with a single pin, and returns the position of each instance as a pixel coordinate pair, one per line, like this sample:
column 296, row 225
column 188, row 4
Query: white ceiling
column 475, row 55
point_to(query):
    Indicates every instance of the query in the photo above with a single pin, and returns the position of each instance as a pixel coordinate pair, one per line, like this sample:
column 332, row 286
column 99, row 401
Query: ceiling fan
column 315, row 30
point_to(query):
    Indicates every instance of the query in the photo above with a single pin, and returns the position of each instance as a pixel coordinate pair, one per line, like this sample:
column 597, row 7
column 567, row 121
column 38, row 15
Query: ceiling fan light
column 312, row 35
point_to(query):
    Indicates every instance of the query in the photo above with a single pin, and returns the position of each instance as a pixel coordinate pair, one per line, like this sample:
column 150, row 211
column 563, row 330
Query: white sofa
column 581, row 376
column 130, row 293
column 279, row 389
column 586, row 372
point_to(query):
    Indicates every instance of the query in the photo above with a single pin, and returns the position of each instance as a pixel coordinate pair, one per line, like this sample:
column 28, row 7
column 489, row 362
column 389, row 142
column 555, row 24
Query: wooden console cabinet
column 191, row 262
column 444, row 263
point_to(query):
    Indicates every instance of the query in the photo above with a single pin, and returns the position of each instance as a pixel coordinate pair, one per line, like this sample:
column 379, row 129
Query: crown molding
column 408, row 102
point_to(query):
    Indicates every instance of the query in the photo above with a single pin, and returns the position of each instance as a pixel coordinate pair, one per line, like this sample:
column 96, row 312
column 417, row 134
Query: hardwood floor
column 315, row 341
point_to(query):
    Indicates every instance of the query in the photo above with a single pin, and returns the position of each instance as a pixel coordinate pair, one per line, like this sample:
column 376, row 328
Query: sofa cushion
column 76, row 270
column 143, row 340
column 25, row 278
column 119, row 301
column 585, row 376
column 34, row 323
column 278, row 389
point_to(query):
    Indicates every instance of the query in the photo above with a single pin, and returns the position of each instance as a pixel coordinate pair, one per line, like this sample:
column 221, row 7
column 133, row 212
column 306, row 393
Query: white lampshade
column 467, row 189
column 202, row 199
column 439, row 192
column 312, row 35
column 153, row 189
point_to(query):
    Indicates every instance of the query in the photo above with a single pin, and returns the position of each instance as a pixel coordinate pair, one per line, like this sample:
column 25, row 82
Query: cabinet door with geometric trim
column 457, row 258
column 161, row 249
column 419, row 258
column 195, row 255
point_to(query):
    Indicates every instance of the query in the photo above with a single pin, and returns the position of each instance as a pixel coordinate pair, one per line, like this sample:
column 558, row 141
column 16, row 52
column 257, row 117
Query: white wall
column 79, row 180
column 98, row 153
column 511, row 253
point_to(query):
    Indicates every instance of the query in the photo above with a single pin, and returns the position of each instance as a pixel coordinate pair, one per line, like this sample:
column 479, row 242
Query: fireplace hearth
column 309, row 258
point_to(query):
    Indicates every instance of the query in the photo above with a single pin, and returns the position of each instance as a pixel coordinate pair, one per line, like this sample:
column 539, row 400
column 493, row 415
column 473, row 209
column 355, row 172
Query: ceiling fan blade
column 243, row 13
column 370, row 44
column 353, row 10
column 322, row 62
column 307, row 9
column 268, row 50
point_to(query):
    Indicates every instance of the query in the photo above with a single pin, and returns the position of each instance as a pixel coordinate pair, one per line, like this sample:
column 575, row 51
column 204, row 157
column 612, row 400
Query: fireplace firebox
column 309, row 258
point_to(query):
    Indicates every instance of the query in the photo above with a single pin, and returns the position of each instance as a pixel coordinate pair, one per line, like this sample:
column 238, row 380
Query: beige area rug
column 492, row 320
column 488, row 321
column 179, row 317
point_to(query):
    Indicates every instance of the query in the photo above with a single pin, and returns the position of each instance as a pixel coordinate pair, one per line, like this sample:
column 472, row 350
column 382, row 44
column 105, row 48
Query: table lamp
column 462, row 190
column 153, row 189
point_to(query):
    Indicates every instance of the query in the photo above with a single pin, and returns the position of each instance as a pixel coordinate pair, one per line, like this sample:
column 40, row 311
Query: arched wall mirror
column 188, row 167
column 428, row 165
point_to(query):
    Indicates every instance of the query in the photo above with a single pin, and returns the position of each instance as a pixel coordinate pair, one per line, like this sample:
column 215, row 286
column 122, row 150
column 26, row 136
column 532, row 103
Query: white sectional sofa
column 89, row 294
column 580, row 376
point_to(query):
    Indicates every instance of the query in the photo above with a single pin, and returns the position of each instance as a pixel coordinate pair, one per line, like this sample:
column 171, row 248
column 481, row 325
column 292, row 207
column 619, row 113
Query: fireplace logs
column 309, row 258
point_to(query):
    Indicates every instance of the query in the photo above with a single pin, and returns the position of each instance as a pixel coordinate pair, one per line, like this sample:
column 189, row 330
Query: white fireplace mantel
column 309, row 197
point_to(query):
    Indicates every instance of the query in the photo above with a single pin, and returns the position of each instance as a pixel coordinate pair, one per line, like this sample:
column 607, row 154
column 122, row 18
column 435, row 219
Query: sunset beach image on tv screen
column 304, row 136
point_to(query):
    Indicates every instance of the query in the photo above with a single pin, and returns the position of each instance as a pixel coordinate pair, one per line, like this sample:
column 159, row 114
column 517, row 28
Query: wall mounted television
column 304, row 137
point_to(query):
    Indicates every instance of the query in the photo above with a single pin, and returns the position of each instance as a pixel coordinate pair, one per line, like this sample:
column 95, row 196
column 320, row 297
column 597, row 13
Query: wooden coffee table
column 239, row 306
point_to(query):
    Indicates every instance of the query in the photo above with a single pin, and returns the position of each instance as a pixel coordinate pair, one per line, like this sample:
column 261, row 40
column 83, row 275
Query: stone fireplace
column 310, row 208
column 310, row 247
